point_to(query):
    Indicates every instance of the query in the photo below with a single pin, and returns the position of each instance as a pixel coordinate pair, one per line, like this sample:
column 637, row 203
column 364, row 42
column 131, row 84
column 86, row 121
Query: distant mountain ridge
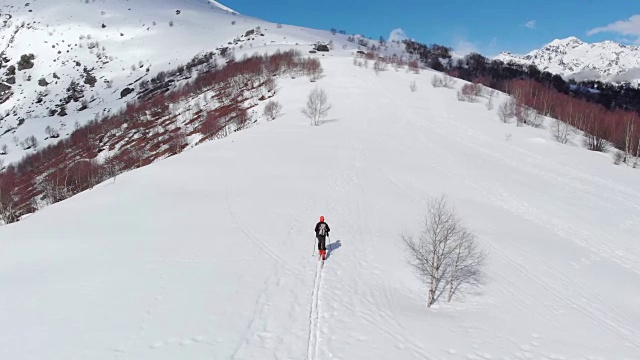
column 573, row 58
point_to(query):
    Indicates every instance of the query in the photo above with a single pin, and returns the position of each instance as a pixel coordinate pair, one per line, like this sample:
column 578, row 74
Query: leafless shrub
column 317, row 106
column 637, row 157
column 561, row 131
column 51, row 132
column 618, row 157
column 527, row 115
column 490, row 96
column 379, row 65
column 470, row 92
column 508, row 137
column 272, row 110
column 413, row 86
column 30, row 143
column 595, row 142
column 271, row 85
column 445, row 256
column 444, row 80
column 507, row 110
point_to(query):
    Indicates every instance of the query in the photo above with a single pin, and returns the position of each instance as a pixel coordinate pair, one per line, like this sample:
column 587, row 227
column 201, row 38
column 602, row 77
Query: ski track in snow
column 314, row 315
column 251, row 236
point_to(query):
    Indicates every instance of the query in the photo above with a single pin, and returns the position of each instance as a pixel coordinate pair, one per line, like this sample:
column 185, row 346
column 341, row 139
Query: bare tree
column 507, row 110
column 379, row 65
column 443, row 81
column 30, row 142
column 413, row 86
column 4, row 150
column 490, row 96
column 527, row 115
column 179, row 141
column 618, row 157
column 637, row 158
column 317, row 106
column 445, row 253
column 628, row 139
column 270, row 85
column 561, row 131
column 51, row 132
column 470, row 92
column 466, row 262
column 8, row 213
column 272, row 110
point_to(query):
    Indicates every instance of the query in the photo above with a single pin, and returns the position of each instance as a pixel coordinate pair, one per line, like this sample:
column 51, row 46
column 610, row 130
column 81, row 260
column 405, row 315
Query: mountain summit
column 574, row 58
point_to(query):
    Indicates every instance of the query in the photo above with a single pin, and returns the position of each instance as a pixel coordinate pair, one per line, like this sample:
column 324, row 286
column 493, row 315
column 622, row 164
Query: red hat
column 321, row 218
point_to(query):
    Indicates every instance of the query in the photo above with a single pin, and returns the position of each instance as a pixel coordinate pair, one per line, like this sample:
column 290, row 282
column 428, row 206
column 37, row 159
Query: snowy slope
column 573, row 58
column 208, row 254
column 223, row 7
column 139, row 39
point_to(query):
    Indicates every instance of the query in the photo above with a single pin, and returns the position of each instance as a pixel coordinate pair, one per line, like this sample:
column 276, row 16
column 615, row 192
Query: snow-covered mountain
column 207, row 254
column 108, row 48
column 573, row 58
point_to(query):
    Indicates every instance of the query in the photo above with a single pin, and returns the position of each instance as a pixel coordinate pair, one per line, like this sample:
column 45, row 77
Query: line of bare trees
column 147, row 130
column 601, row 128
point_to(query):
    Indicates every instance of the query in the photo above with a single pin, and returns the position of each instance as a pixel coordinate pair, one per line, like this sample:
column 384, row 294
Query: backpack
column 322, row 230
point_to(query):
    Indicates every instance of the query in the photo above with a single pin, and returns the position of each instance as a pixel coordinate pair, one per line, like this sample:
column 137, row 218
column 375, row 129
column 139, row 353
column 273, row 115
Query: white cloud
column 531, row 24
column 464, row 47
column 629, row 27
column 397, row 35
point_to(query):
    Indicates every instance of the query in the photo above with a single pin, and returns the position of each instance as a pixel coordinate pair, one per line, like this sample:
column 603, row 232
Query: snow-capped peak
column 571, row 41
column 222, row 7
column 574, row 58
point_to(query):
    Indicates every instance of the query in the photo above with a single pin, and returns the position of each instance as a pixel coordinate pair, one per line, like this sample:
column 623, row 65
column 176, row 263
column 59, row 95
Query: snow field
column 206, row 254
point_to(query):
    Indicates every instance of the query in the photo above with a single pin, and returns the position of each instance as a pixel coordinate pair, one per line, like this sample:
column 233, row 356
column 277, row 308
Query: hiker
column 322, row 231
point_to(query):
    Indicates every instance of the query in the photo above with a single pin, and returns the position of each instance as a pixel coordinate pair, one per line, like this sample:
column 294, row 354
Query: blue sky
column 485, row 26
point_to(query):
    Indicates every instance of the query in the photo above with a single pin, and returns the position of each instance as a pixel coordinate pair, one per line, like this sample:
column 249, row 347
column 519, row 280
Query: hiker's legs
column 322, row 249
column 321, row 243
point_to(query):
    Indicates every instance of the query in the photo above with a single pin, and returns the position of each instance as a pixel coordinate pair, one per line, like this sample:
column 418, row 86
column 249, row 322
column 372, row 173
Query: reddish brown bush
column 601, row 126
column 414, row 66
column 142, row 132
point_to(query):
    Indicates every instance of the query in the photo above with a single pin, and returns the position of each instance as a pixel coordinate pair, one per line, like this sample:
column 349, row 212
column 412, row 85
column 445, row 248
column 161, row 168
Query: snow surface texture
column 138, row 35
column 573, row 58
column 207, row 254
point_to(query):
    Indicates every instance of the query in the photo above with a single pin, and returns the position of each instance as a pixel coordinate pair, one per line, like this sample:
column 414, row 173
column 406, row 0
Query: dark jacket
column 318, row 227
